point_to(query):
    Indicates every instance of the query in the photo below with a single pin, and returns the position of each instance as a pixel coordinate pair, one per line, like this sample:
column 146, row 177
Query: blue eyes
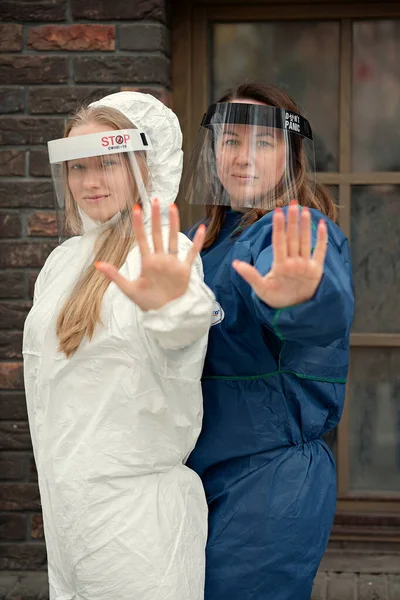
column 104, row 163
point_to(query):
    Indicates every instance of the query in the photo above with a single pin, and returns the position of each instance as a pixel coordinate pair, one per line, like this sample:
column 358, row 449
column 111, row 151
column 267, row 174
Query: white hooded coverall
column 111, row 426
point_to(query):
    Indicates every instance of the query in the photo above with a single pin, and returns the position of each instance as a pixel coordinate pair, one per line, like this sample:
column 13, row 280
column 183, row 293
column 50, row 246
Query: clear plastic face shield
column 98, row 178
column 250, row 156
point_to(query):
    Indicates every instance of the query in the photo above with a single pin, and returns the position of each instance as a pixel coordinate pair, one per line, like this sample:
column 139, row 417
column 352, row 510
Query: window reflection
column 260, row 51
column 376, row 95
column 374, row 395
column 375, row 247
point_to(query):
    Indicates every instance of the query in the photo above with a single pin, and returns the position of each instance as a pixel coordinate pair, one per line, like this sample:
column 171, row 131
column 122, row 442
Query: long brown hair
column 318, row 198
column 81, row 312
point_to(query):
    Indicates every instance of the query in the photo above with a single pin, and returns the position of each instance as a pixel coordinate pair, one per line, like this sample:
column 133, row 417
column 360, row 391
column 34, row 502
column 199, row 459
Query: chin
column 240, row 206
column 243, row 201
column 100, row 215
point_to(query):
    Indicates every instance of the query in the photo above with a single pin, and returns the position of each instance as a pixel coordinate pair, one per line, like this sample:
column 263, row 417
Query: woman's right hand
column 296, row 271
column 164, row 277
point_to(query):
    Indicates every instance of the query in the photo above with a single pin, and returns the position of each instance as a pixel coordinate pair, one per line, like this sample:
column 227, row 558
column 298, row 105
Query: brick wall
column 53, row 55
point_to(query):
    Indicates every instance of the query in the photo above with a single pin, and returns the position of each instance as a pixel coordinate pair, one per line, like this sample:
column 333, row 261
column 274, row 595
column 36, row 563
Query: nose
column 91, row 179
column 245, row 155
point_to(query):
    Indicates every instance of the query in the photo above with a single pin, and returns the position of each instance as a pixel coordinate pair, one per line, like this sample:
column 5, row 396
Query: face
column 250, row 161
column 101, row 185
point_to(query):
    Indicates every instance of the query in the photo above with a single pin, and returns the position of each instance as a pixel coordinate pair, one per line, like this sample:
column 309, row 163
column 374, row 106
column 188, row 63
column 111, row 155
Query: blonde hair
column 81, row 312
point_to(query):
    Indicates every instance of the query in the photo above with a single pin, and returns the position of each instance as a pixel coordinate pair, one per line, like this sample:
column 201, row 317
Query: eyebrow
column 257, row 135
column 230, row 133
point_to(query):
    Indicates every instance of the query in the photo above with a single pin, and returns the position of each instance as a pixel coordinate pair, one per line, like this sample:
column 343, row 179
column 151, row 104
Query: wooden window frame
column 190, row 68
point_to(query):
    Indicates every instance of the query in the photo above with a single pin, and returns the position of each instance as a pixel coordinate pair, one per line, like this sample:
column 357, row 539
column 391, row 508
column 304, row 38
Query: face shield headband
column 97, row 178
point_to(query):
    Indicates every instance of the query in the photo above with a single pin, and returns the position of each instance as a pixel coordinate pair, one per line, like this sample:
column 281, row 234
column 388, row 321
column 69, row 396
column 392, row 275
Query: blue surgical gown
column 274, row 383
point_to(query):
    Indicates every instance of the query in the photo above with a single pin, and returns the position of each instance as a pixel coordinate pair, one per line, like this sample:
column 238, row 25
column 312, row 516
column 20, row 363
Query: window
column 341, row 64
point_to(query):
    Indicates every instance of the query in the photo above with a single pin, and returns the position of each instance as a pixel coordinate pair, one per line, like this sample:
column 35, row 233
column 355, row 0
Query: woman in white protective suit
column 113, row 353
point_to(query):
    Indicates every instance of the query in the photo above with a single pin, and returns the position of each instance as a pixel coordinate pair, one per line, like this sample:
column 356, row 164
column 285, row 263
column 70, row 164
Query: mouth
column 244, row 177
column 96, row 198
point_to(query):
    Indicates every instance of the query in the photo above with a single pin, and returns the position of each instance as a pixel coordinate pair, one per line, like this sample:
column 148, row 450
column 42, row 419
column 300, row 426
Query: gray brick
column 22, row 255
column 19, row 497
column 12, row 465
column 10, row 345
column 140, row 68
column 31, row 586
column 10, row 37
column 20, row 130
column 319, row 587
column 12, row 527
column 352, row 561
column 161, row 93
column 30, row 556
column 13, row 406
column 12, row 100
column 8, row 581
column 10, row 225
column 33, row 10
column 144, row 37
column 12, row 163
column 26, row 193
column 394, row 587
column 15, row 436
column 118, row 9
column 39, row 165
column 372, row 587
column 12, row 284
column 33, row 69
column 342, row 586
column 14, row 312
column 64, row 99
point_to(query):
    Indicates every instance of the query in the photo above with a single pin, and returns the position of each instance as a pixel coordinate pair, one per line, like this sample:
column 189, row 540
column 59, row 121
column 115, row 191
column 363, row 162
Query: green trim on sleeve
column 275, row 325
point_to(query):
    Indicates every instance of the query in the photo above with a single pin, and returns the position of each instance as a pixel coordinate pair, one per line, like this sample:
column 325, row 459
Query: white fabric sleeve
column 51, row 262
column 38, row 285
column 44, row 272
column 186, row 319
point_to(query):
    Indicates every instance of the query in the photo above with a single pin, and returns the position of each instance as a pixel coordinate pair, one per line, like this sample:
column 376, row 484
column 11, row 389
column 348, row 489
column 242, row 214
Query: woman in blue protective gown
column 274, row 378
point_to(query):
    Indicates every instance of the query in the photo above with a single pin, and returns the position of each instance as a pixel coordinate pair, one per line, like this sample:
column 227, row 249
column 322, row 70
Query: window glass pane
column 376, row 95
column 375, row 249
column 248, row 51
column 334, row 190
column 374, row 396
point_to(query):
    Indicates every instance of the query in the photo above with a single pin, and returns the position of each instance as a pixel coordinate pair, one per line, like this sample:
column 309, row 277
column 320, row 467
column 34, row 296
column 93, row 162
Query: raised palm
column 296, row 272
column 164, row 277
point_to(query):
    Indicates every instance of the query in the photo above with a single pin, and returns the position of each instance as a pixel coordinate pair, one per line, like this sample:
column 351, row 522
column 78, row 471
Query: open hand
column 164, row 277
column 295, row 273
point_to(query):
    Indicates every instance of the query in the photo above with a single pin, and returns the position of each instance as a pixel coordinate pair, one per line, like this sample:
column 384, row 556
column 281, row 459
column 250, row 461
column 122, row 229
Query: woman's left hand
column 295, row 273
column 164, row 277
